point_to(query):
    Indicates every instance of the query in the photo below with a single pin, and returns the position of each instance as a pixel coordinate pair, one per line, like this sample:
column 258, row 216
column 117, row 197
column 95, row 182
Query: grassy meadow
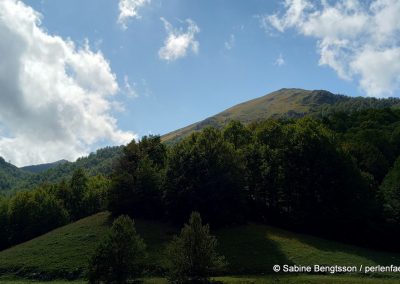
column 250, row 250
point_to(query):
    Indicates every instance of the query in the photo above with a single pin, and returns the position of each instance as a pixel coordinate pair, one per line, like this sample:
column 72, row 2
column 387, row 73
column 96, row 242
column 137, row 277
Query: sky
column 77, row 75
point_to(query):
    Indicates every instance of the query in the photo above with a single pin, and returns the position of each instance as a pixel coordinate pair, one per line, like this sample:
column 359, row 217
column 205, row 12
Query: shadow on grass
column 348, row 254
column 248, row 250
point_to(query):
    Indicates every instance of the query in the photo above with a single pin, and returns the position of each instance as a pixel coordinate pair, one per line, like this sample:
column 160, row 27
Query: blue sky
column 236, row 51
column 173, row 94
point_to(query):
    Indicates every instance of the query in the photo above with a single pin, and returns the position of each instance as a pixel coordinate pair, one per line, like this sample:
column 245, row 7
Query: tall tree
column 136, row 187
column 79, row 186
column 192, row 256
column 205, row 173
column 390, row 193
column 119, row 256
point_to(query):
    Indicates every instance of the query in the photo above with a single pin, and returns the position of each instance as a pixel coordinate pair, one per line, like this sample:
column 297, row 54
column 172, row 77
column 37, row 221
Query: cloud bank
column 129, row 9
column 359, row 41
column 179, row 42
column 55, row 97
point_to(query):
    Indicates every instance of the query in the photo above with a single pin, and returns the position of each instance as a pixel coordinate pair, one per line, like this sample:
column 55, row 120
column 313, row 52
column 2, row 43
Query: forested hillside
column 13, row 178
column 285, row 103
column 333, row 175
column 42, row 167
column 327, row 177
column 10, row 175
column 315, row 174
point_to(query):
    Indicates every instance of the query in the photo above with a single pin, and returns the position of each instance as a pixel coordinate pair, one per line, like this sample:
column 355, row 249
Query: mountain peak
column 286, row 102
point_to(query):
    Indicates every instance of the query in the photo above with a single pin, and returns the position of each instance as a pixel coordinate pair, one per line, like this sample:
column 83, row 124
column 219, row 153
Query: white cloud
column 280, row 60
column 129, row 89
column 55, row 97
column 230, row 43
column 178, row 41
column 358, row 39
column 129, row 9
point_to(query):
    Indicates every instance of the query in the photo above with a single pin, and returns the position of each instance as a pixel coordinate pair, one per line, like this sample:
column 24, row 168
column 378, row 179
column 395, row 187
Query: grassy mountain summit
column 291, row 103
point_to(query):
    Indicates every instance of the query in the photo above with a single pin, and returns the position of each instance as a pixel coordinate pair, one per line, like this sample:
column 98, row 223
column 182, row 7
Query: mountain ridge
column 283, row 103
column 43, row 167
column 99, row 162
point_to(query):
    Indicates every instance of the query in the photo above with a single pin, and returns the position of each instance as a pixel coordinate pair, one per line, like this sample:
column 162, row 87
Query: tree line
column 337, row 176
column 28, row 214
column 334, row 177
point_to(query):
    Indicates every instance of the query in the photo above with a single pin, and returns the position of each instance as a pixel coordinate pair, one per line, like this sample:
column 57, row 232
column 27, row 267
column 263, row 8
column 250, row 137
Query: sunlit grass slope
column 282, row 103
column 287, row 279
column 63, row 252
column 250, row 250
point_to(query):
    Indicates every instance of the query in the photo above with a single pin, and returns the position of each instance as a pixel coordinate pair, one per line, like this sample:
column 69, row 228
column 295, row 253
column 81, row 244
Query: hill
column 289, row 103
column 99, row 162
column 249, row 249
column 284, row 103
column 10, row 175
column 43, row 167
column 13, row 178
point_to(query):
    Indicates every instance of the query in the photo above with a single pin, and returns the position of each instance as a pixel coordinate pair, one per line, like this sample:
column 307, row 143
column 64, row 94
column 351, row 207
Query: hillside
column 282, row 103
column 10, row 175
column 43, row 167
column 249, row 249
column 289, row 103
column 99, row 162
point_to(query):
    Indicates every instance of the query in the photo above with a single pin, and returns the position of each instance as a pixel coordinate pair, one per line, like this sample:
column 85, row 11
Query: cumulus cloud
column 280, row 60
column 230, row 43
column 178, row 41
column 55, row 97
column 360, row 40
column 129, row 9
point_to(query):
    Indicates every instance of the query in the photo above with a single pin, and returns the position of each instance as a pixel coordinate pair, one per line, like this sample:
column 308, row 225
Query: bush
column 119, row 256
column 192, row 256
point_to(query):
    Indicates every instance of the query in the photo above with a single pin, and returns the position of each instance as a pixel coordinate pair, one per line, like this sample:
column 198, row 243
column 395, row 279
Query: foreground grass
column 63, row 252
column 250, row 250
column 254, row 249
column 294, row 279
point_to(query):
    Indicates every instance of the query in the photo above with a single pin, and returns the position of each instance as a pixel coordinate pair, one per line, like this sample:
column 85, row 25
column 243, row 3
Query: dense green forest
column 331, row 177
column 14, row 179
column 28, row 214
column 337, row 177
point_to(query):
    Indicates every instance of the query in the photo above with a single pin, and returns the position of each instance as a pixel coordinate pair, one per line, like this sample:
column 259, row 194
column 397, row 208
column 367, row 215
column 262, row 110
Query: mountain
column 43, row 167
column 10, row 175
column 99, row 162
column 289, row 103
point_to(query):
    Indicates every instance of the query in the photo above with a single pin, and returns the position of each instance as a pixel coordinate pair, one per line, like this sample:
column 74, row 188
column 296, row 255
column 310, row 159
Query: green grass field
column 299, row 279
column 250, row 250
